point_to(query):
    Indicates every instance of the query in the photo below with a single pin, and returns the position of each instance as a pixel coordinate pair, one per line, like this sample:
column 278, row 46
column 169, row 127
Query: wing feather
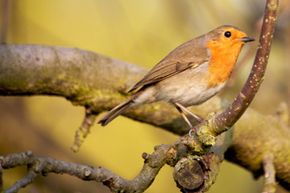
column 183, row 57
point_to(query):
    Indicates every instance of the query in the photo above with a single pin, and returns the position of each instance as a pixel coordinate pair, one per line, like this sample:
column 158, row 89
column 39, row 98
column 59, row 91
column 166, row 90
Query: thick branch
column 83, row 77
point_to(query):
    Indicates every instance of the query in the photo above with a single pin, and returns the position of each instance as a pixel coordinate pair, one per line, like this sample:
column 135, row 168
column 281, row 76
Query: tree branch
column 84, row 172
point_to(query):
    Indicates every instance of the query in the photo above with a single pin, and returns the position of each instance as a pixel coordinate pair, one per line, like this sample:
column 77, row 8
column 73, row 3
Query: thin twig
column 28, row 179
column 84, row 129
column 269, row 174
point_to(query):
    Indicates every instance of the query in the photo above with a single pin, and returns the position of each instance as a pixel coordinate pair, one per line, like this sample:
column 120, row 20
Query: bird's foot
column 192, row 132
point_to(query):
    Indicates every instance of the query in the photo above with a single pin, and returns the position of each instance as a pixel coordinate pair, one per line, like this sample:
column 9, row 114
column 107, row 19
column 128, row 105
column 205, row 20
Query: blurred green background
column 140, row 32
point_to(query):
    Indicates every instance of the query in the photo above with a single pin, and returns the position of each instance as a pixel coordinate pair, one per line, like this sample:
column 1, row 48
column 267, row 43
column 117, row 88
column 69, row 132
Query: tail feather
column 115, row 112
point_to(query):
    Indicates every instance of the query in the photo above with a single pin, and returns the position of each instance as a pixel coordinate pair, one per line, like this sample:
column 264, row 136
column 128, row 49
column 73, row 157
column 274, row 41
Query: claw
column 192, row 132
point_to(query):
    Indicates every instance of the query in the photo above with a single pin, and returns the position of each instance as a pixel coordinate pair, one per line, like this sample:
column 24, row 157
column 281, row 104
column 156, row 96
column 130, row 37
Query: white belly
column 186, row 88
column 192, row 94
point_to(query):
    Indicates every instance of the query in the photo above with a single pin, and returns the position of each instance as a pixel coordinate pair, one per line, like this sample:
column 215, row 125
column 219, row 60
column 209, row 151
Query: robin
column 189, row 75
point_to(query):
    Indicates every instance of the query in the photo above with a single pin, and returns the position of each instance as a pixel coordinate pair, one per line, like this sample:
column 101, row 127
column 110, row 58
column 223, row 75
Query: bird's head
column 227, row 37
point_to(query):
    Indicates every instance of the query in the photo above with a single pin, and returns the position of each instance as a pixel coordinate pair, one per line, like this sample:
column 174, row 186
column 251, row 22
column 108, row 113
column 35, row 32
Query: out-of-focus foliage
column 140, row 32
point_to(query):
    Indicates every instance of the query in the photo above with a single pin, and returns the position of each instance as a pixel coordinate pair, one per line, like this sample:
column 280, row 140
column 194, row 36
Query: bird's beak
column 247, row 39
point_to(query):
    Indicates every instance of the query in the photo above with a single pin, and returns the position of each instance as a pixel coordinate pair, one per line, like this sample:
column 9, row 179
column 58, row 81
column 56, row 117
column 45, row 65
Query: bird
column 190, row 74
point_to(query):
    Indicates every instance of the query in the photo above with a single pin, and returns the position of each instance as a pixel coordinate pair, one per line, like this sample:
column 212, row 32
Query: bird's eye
column 227, row 34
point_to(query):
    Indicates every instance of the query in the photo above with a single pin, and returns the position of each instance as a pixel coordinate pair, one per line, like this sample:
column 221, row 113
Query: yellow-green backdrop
column 137, row 31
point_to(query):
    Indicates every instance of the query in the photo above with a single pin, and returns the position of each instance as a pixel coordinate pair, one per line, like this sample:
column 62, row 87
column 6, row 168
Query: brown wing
column 183, row 57
column 162, row 71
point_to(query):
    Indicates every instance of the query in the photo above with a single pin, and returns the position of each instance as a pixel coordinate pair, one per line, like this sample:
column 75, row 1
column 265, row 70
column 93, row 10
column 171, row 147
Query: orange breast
column 222, row 61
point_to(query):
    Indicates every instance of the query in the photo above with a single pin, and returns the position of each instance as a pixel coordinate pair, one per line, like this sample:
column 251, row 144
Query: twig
column 84, row 129
column 152, row 165
column 269, row 174
column 28, row 179
column 228, row 118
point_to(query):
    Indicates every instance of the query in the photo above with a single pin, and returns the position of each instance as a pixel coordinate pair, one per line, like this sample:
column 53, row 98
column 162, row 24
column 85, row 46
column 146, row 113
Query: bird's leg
column 185, row 110
column 183, row 115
